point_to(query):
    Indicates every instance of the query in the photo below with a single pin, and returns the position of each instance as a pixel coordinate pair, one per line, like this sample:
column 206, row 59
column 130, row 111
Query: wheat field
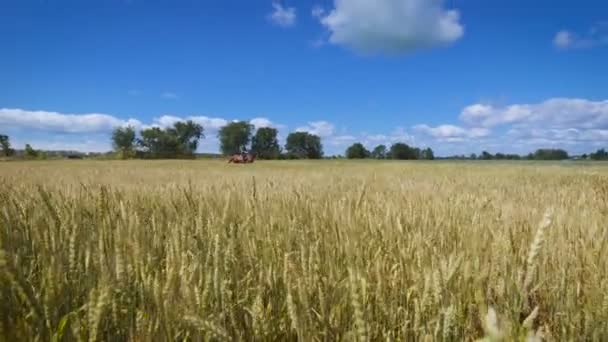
column 303, row 250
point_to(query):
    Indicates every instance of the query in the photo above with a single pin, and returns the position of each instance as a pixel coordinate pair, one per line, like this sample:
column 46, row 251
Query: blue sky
column 459, row 76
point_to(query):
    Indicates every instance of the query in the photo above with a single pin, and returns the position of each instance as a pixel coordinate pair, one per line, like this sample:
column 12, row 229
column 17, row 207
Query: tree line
column 398, row 150
column 539, row 154
column 182, row 140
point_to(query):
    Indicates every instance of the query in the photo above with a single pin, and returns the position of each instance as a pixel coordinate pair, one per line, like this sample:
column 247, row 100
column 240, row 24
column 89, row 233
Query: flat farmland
column 307, row 250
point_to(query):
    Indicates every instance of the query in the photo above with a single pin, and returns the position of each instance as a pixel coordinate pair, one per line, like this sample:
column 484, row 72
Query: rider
column 244, row 155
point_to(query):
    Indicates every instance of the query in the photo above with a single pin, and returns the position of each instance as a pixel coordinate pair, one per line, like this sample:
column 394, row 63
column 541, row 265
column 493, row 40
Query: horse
column 240, row 159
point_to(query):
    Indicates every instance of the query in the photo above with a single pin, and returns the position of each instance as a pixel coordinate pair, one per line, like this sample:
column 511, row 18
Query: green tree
column 30, row 152
column 234, row 137
column 402, row 151
column 156, row 143
column 600, row 154
column 485, row 155
column 123, row 141
column 187, row 134
column 265, row 144
column 43, row 155
column 304, row 145
column 550, row 154
column 379, row 152
column 181, row 140
column 427, row 154
column 6, row 145
column 357, row 151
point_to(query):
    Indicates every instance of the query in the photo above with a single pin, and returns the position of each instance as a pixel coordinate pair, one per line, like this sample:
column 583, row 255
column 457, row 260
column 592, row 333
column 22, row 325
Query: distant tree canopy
column 123, row 141
column 600, row 154
column 540, row 154
column 30, row 152
column 427, row 154
column 234, row 137
column 379, row 152
column 265, row 144
column 304, row 145
column 506, row 156
column 5, row 144
column 399, row 151
column 187, row 134
column 485, row 155
column 402, row 151
column 357, row 151
column 549, row 154
column 181, row 140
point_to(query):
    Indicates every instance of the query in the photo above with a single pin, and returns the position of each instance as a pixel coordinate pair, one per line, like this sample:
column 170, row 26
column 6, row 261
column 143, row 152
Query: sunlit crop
column 323, row 250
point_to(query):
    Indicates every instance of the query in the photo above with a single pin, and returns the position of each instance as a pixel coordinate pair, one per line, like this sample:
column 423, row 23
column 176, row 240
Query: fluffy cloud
column 58, row 122
column 207, row 122
column 563, row 39
column 317, row 12
column 391, row 26
column 169, row 96
column 554, row 113
column 568, row 134
column 342, row 140
column 597, row 35
column 88, row 143
column 399, row 134
column 321, row 128
column 282, row 16
column 263, row 122
column 578, row 125
column 449, row 132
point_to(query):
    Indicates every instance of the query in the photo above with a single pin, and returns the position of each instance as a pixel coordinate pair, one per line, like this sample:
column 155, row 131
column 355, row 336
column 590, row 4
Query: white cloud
column 578, row 125
column 208, row 123
column 597, row 35
column 321, row 128
column 342, row 140
column 169, row 96
column 563, row 39
column 376, row 138
column 567, row 135
column 263, row 122
column 399, row 134
column 282, row 16
column 166, row 121
column 58, row 122
column 62, row 143
column 555, row 112
column 451, row 131
column 317, row 12
column 391, row 26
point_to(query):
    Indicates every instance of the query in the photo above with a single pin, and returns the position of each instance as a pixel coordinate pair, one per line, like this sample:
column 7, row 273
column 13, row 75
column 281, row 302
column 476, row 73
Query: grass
column 328, row 250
